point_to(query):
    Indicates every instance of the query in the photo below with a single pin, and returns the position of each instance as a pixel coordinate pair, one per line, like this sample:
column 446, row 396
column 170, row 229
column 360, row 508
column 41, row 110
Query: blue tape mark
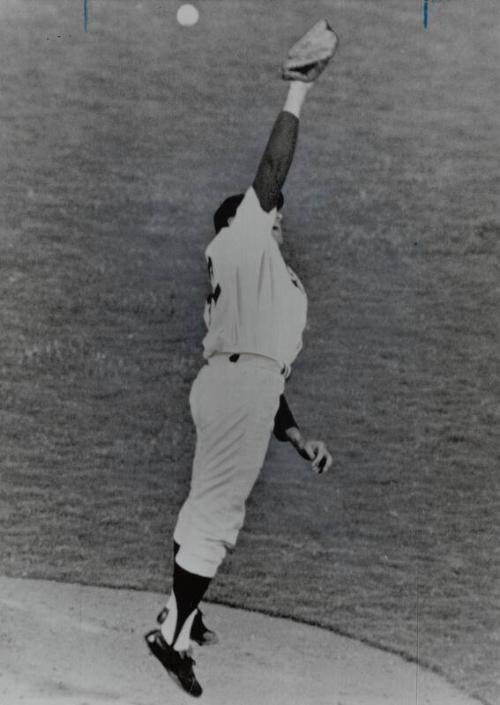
column 426, row 14
column 85, row 15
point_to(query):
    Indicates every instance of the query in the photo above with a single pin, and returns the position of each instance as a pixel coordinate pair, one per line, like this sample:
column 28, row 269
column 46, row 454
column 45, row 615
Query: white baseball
column 187, row 15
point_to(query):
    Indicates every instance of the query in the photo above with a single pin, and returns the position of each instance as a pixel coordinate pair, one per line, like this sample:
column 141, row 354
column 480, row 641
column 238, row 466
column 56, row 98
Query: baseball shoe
column 200, row 633
column 179, row 665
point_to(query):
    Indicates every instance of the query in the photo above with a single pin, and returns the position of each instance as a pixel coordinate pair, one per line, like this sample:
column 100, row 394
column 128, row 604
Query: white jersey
column 257, row 304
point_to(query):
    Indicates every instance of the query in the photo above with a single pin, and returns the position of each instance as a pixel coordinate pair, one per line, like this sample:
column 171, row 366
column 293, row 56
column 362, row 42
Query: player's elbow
column 268, row 182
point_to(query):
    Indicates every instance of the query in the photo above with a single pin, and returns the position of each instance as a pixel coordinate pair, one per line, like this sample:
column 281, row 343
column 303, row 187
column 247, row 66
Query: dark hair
column 228, row 208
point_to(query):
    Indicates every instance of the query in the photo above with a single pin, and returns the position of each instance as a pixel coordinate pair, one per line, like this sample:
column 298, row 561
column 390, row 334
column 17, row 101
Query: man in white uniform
column 255, row 316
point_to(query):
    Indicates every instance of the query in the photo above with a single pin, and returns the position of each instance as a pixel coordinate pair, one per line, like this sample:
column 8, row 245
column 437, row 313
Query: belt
column 243, row 357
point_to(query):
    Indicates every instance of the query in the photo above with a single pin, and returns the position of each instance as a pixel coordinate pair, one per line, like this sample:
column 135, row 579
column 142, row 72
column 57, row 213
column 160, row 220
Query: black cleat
column 200, row 633
column 179, row 665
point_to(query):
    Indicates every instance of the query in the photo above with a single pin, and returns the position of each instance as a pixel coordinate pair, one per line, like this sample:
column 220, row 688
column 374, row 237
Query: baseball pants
column 233, row 406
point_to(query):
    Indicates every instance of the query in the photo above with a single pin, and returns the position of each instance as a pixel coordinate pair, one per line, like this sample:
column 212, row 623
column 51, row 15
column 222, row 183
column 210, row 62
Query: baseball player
column 255, row 317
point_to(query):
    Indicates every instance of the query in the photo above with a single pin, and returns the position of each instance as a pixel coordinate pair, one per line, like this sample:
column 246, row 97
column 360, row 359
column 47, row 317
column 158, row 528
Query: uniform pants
column 233, row 406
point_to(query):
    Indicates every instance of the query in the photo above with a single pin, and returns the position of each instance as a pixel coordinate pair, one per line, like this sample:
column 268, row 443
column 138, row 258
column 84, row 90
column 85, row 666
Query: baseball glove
column 308, row 57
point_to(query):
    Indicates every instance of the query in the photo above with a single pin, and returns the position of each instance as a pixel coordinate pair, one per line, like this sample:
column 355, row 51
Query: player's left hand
column 320, row 456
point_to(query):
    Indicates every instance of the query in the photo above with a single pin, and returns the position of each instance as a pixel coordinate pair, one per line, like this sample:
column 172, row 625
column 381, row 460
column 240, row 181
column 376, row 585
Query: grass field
column 117, row 145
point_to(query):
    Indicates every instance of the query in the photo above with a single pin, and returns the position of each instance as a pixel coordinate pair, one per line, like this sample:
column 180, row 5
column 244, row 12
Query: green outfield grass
column 117, row 145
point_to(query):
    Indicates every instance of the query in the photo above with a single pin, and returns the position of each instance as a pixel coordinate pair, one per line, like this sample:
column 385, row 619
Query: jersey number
column 213, row 297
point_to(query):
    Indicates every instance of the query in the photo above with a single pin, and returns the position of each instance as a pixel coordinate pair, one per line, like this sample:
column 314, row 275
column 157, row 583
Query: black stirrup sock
column 188, row 589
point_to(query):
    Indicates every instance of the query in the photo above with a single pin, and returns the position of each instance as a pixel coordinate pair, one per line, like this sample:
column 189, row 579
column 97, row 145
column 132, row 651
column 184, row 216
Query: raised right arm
column 278, row 155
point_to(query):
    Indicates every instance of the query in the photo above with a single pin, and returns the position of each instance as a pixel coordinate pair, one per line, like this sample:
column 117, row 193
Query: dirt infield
column 83, row 646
